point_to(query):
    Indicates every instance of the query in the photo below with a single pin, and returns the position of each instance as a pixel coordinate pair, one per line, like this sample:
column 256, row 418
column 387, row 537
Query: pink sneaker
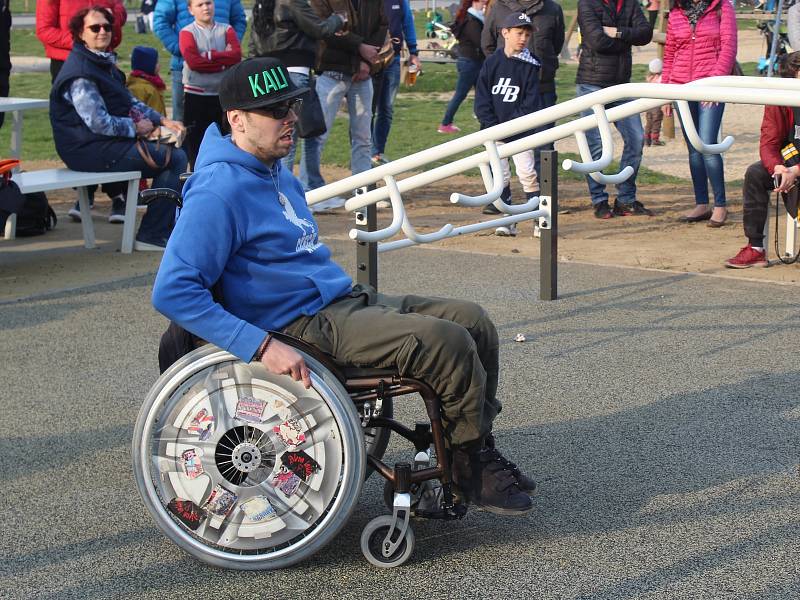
column 748, row 257
column 448, row 129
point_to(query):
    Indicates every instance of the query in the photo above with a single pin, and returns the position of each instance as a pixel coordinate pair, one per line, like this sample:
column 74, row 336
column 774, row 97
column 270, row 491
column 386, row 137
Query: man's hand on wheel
column 282, row 359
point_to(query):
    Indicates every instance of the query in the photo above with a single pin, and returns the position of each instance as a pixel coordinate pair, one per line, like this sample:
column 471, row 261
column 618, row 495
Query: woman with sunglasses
column 96, row 122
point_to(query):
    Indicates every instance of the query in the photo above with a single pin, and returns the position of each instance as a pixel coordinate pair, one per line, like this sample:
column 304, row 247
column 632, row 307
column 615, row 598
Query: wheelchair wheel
column 244, row 469
column 373, row 538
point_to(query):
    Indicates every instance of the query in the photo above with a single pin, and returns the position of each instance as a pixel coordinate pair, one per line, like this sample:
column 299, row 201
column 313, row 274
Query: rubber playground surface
column 658, row 410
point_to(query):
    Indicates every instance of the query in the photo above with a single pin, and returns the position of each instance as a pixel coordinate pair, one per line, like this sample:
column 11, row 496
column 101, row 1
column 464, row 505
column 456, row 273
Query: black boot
column 481, row 478
column 526, row 484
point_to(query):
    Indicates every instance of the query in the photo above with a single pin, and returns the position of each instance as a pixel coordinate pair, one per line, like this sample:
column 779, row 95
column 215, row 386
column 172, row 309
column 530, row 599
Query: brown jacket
column 367, row 25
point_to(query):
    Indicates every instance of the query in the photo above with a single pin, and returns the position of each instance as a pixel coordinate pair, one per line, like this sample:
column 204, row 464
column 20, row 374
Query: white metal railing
column 628, row 99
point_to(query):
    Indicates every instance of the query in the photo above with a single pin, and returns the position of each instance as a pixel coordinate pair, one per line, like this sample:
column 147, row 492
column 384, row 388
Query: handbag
column 144, row 151
column 311, row 122
column 385, row 56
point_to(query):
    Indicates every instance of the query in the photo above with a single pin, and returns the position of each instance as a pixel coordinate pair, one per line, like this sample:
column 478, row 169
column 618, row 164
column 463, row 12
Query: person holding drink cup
column 345, row 61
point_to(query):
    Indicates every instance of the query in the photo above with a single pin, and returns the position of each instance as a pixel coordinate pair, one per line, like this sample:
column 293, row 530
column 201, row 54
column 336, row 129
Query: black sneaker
column 483, row 479
column 526, row 484
column 117, row 210
column 602, row 210
column 491, row 209
column 637, row 209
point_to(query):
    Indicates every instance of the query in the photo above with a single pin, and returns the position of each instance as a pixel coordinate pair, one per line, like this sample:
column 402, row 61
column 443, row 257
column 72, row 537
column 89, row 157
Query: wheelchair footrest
column 455, row 512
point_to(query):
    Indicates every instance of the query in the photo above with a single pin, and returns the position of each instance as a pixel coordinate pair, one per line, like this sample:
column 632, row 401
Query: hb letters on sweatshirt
column 507, row 88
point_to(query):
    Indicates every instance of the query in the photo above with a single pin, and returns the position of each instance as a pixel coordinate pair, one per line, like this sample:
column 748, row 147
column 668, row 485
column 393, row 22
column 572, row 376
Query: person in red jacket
column 701, row 42
column 52, row 26
column 778, row 169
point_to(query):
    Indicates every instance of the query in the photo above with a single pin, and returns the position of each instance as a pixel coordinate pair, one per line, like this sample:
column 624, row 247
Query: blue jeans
column 706, row 167
column 332, row 86
column 159, row 219
column 310, row 176
column 546, row 100
column 632, row 132
column 177, row 95
column 385, row 93
column 468, row 71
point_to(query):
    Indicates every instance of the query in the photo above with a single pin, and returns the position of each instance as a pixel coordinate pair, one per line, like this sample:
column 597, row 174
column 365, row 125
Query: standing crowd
column 350, row 51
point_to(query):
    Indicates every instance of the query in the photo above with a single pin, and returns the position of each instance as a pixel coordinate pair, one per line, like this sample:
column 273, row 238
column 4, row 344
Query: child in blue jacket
column 507, row 88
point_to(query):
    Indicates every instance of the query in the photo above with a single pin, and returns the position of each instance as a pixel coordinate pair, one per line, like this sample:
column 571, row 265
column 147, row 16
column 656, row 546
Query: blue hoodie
column 233, row 228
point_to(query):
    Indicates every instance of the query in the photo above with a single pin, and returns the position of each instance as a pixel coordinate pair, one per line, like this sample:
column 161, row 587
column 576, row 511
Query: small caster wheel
column 373, row 539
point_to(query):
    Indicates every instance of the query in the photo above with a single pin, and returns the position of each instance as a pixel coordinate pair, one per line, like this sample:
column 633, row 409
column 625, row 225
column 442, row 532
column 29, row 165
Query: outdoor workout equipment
column 431, row 165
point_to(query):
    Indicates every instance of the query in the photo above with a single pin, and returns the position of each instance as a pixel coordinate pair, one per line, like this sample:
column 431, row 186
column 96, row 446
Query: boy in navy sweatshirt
column 507, row 88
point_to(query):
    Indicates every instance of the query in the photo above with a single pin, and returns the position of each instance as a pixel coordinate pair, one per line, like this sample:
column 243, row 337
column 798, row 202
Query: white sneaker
column 145, row 247
column 383, row 204
column 506, row 230
column 327, row 205
column 74, row 214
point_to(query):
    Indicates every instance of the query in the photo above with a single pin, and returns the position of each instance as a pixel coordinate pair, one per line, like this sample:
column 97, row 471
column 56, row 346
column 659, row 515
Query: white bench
column 58, row 179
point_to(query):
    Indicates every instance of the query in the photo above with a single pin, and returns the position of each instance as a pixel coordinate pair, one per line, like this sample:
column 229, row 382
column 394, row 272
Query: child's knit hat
column 144, row 59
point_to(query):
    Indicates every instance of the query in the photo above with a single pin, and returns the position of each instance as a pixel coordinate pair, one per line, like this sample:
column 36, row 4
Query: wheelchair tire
column 372, row 538
column 244, row 469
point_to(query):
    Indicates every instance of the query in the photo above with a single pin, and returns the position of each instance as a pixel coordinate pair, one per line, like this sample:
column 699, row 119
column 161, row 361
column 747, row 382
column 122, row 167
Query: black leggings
column 198, row 113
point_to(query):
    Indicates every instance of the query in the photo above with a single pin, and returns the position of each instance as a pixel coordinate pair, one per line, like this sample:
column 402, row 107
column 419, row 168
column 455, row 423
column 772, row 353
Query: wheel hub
column 246, row 457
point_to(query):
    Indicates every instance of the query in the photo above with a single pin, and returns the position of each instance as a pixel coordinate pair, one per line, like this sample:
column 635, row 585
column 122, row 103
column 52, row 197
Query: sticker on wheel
column 286, row 481
column 290, row 432
column 250, row 409
column 191, row 463
column 187, row 512
column 300, row 463
column 220, row 502
column 202, row 424
column 258, row 509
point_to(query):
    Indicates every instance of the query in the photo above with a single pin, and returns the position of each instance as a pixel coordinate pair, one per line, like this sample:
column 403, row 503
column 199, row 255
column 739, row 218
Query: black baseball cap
column 516, row 19
column 256, row 83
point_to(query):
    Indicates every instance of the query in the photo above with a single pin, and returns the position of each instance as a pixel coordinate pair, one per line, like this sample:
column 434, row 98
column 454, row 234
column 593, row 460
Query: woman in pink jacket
column 701, row 42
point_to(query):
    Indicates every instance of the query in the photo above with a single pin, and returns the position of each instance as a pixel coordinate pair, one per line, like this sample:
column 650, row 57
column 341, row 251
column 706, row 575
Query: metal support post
column 367, row 252
column 548, row 251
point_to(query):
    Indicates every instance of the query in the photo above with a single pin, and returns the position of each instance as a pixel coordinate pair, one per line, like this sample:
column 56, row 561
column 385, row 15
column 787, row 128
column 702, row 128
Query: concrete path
column 659, row 411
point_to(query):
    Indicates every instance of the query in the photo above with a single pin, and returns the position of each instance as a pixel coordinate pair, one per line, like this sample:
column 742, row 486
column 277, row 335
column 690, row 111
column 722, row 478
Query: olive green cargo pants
column 451, row 345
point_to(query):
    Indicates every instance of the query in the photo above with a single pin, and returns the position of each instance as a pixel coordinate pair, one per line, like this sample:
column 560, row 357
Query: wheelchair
column 245, row 469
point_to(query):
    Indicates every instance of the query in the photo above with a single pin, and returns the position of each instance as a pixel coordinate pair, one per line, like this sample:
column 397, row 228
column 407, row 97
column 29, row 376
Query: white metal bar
column 607, row 155
column 647, row 96
column 493, row 181
column 694, row 138
column 386, row 247
column 586, row 154
column 780, row 96
column 398, row 214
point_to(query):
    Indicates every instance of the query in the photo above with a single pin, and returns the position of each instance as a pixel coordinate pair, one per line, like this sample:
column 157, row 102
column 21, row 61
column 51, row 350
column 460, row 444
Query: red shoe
column 748, row 257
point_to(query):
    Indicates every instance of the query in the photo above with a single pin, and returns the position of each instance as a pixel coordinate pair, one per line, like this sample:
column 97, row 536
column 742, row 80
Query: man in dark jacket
column 291, row 33
column 345, row 62
column 608, row 30
column 545, row 44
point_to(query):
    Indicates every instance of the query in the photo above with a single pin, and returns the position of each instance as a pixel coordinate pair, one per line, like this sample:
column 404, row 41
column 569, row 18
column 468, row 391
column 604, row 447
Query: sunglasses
column 279, row 111
column 98, row 26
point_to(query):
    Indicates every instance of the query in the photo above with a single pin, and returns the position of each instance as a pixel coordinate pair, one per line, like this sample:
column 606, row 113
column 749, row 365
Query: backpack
column 36, row 217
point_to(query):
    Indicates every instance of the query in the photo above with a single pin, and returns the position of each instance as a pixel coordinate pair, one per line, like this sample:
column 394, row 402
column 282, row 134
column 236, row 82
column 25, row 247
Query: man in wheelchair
column 245, row 229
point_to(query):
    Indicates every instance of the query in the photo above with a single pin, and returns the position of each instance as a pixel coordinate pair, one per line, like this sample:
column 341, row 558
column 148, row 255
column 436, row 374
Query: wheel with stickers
column 245, row 469
column 373, row 540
